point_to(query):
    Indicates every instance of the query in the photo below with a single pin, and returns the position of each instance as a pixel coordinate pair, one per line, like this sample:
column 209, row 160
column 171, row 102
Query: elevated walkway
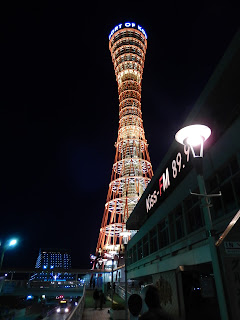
column 23, row 288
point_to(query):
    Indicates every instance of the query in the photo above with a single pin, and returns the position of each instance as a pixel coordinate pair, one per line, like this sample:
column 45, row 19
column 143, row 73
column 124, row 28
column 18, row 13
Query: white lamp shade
column 125, row 235
column 193, row 135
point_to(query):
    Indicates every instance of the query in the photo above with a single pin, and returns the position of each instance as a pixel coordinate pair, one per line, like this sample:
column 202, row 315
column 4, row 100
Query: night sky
column 59, row 108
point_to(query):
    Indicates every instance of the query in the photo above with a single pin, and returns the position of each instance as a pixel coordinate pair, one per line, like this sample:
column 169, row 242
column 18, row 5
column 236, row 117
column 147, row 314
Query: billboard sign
column 174, row 172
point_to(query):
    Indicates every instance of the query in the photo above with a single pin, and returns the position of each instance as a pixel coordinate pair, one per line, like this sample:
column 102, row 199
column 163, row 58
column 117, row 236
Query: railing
column 78, row 311
column 120, row 290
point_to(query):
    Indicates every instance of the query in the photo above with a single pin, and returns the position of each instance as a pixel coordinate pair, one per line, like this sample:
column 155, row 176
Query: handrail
column 121, row 291
column 78, row 311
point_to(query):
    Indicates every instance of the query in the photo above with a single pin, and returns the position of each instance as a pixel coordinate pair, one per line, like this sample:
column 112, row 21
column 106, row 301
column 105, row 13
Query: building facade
column 53, row 258
column 171, row 247
column 53, row 265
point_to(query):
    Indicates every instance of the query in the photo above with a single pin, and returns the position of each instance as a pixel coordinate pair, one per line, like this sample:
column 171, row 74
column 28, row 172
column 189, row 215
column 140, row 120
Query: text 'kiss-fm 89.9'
column 175, row 170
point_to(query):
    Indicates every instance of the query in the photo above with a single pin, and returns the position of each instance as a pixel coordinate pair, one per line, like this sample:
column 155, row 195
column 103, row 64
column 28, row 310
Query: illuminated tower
column 132, row 169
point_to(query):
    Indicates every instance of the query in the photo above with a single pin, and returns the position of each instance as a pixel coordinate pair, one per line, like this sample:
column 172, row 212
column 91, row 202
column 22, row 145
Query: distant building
column 53, row 258
column 53, row 265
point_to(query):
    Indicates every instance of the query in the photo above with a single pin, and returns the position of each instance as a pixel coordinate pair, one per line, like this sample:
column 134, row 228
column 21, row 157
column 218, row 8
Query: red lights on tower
column 132, row 169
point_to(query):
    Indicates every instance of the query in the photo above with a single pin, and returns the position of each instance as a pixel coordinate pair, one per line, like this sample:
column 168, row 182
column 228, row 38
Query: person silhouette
column 152, row 300
column 102, row 299
column 95, row 297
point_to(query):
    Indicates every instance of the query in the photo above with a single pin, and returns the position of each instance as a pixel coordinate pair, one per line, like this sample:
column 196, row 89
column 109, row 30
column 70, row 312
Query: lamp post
column 125, row 237
column 112, row 254
column 112, row 281
column 7, row 245
column 104, row 279
column 195, row 136
column 100, row 262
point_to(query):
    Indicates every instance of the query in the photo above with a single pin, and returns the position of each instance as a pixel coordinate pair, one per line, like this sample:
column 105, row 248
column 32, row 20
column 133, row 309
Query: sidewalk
column 90, row 313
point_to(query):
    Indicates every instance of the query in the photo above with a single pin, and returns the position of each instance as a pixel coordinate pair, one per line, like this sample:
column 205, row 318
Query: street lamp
column 195, row 136
column 112, row 254
column 104, row 279
column 125, row 237
column 112, row 280
column 7, row 245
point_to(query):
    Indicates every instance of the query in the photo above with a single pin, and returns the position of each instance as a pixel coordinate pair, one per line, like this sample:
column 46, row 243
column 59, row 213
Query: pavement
column 89, row 313
column 92, row 314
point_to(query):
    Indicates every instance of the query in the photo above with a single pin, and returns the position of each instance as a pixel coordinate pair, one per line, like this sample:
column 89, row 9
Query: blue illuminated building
column 53, row 265
column 53, row 258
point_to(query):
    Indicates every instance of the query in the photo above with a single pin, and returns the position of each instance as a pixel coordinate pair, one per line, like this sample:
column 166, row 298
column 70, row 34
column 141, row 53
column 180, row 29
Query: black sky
column 59, row 108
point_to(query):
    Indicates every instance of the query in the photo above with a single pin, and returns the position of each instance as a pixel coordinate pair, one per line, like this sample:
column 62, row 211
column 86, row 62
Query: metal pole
column 2, row 256
column 1, row 261
column 126, row 294
column 213, row 251
column 104, row 278
column 112, row 281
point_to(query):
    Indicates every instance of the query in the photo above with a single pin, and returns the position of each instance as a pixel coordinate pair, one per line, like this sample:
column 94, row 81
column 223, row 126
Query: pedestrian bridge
column 26, row 288
column 9, row 285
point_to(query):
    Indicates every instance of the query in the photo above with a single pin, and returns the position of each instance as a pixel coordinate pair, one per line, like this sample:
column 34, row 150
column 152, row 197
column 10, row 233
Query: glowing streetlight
column 12, row 242
column 125, row 234
column 7, row 245
column 195, row 136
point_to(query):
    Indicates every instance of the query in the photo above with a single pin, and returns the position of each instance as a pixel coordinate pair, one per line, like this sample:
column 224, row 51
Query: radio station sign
column 127, row 25
column 175, row 170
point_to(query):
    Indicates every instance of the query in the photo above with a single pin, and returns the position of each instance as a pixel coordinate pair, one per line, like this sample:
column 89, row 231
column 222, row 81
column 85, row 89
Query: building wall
column 49, row 263
column 173, row 233
column 49, row 259
column 167, row 284
column 168, row 248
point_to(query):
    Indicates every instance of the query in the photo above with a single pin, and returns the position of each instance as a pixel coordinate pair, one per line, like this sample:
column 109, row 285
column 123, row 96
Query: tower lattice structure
column 132, row 169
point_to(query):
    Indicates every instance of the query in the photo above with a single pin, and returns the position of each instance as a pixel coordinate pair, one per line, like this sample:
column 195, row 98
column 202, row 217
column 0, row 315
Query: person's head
column 152, row 298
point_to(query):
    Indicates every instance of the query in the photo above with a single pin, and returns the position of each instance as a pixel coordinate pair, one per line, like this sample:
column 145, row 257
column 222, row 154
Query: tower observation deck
column 132, row 169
